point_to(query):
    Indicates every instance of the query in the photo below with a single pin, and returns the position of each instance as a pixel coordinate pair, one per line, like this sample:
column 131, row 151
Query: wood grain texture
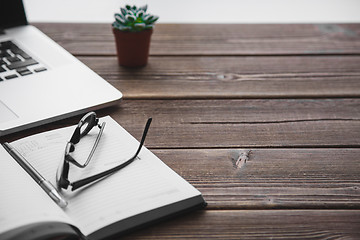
column 271, row 178
column 216, row 39
column 238, row 123
column 279, row 224
column 234, row 77
column 244, row 123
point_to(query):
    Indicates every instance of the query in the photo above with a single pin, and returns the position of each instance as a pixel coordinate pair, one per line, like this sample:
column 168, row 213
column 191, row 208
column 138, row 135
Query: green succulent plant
column 134, row 19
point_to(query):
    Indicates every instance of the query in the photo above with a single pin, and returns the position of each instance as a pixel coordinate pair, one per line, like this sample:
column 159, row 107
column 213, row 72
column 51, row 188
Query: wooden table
column 263, row 119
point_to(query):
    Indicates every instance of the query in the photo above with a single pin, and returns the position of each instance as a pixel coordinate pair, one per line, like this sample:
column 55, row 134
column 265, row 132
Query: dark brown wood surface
column 263, row 119
column 217, row 39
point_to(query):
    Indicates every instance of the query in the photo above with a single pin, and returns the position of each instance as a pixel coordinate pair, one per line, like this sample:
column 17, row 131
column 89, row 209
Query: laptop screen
column 12, row 13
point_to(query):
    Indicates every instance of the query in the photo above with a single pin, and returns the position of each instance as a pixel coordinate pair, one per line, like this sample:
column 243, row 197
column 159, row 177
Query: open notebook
column 142, row 192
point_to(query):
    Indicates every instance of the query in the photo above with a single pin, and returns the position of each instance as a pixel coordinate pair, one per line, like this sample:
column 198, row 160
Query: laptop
column 40, row 82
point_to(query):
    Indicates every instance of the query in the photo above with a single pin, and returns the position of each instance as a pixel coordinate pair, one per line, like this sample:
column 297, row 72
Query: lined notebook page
column 22, row 200
column 145, row 184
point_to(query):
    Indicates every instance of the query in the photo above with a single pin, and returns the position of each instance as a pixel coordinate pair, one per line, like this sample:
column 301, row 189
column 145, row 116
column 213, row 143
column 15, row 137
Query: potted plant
column 132, row 29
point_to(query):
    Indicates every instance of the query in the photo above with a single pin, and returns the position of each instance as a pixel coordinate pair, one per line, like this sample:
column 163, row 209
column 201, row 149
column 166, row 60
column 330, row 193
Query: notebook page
column 22, row 200
column 145, row 184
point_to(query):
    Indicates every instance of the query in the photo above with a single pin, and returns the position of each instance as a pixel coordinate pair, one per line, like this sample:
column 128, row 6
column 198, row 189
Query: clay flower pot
column 132, row 47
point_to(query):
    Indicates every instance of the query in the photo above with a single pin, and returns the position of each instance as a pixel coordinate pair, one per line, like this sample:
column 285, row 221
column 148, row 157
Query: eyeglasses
column 88, row 122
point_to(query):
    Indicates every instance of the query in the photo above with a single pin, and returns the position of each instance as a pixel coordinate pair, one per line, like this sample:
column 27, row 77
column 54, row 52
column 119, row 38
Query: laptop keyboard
column 15, row 62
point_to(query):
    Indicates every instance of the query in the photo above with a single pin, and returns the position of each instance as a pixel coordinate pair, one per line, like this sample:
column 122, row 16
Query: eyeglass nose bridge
column 70, row 148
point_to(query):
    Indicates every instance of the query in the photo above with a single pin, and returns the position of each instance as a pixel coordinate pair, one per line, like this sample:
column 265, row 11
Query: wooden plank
column 234, row 77
column 310, row 224
column 216, row 39
column 271, row 178
column 240, row 123
column 244, row 123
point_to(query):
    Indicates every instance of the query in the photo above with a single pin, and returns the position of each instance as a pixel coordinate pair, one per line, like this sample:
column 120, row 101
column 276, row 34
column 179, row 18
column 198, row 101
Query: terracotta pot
column 132, row 47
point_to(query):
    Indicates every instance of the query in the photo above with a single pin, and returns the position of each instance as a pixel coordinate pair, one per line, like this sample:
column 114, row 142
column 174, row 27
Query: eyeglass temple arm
column 85, row 181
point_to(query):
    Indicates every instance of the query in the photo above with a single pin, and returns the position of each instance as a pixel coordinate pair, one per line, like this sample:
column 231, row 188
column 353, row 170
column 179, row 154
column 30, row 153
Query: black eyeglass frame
column 86, row 123
column 63, row 170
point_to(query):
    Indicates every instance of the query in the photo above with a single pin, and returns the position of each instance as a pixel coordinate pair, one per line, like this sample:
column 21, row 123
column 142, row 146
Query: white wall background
column 200, row 11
